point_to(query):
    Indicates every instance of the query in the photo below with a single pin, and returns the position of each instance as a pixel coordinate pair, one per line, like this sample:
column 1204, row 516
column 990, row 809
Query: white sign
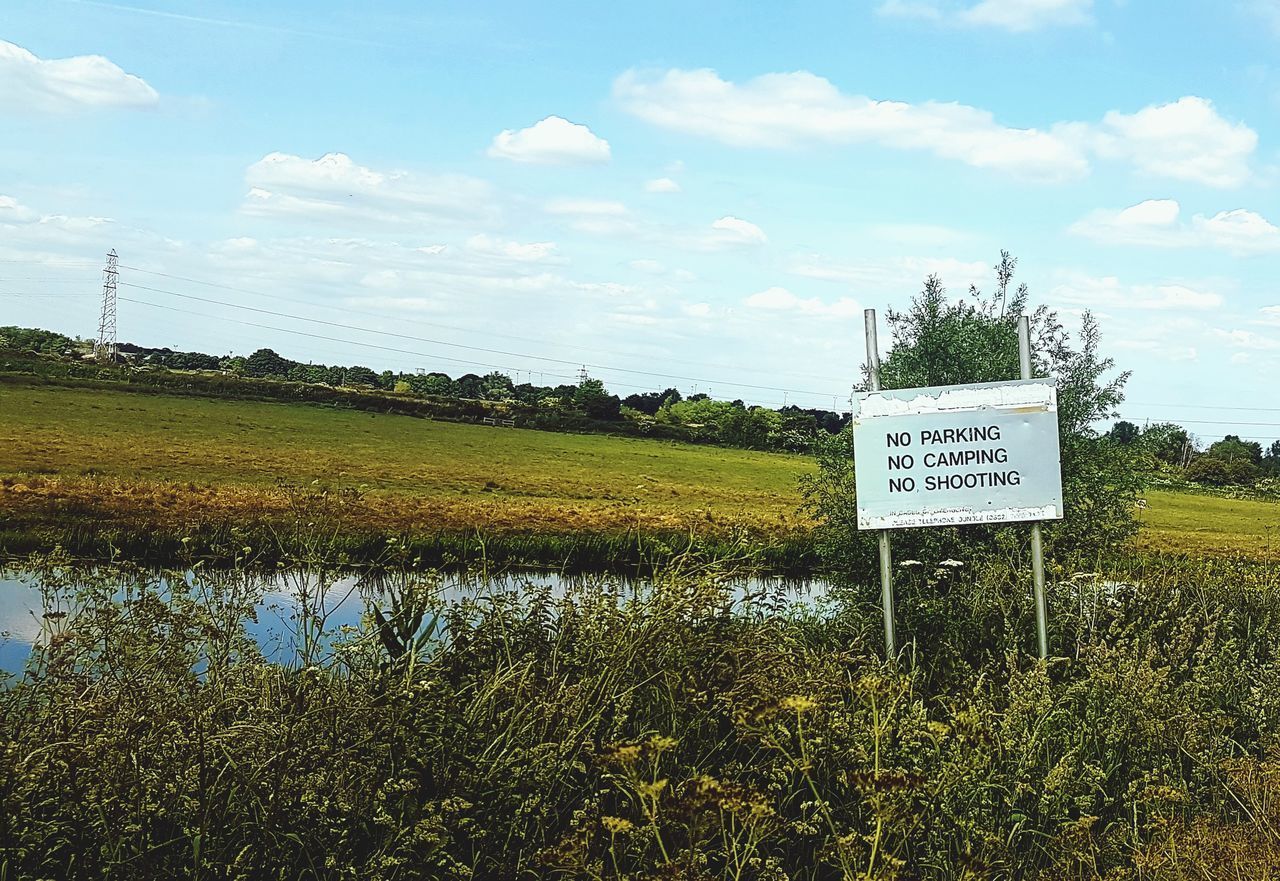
column 955, row 455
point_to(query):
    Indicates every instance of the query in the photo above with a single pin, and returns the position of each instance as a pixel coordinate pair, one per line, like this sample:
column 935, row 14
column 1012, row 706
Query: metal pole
column 1037, row 547
column 886, row 553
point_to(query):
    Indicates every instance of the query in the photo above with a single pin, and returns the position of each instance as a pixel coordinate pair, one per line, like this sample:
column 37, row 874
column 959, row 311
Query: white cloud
column 590, row 207
column 551, row 141
column 652, row 267
column 1270, row 315
column 13, row 211
column 734, row 230
column 62, row 84
column 1186, row 139
column 1109, row 292
column 794, row 109
column 781, row 300
column 662, row 185
column 1016, row 16
column 1156, row 223
column 609, row 218
column 1160, row 347
column 527, row 252
column 1247, row 339
column 1240, row 231
column 895, row 275
column 334, row 186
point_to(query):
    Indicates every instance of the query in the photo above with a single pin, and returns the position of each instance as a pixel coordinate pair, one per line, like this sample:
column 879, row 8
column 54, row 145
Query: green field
column 469, row 476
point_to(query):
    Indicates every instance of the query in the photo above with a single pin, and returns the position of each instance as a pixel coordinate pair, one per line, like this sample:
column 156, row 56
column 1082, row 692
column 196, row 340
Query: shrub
column 943, row 342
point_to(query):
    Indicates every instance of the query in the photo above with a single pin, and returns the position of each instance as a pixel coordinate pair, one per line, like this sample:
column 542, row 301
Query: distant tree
column 266, row 364
column 469, row 386
column 496, row 386
column 437, row 384
column 1232, row 448
column 1214, row 471
column 358, row 375
column 752, row 429
column 646, row 403
column 1167, row 443
column 33, row 339
column 592, row 398
column 1271, row 460
column 1124, row 433
column 316, row 373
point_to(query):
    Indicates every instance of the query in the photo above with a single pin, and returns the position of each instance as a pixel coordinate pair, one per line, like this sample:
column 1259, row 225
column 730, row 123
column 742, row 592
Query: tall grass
column 677, row 734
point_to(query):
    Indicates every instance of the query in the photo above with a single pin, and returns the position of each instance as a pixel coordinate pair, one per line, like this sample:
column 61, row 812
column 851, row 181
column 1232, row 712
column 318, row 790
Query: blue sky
column 700, row 195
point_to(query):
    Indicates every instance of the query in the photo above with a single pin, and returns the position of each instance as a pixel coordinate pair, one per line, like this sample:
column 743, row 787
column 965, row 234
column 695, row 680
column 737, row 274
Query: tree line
column 585, row 404
column 1169, row 449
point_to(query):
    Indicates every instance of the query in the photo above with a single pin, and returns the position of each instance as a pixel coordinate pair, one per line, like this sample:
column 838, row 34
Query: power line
column 331, row 339
column 437, row 325
column 506, row 353
column 1211, row 407
column 541, row 373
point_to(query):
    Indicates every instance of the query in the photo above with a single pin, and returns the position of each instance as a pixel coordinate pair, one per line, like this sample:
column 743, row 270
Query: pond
column 32, row 604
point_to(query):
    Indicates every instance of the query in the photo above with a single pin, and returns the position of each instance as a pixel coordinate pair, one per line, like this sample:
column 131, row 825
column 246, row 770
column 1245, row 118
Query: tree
column 496, row 386
column 1271, row 461
column 649, row 402
column 1215, row 471
column 591, row 398
column 938, row 341
column 469, row 386
column 265, row 363
column 1167, row 443
column 358, row 375
column 1232, row 449
column 1124, row 433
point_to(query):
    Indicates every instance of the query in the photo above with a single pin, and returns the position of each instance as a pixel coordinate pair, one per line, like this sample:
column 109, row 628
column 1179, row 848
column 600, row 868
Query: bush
column 1213, row 471
column 943, row 342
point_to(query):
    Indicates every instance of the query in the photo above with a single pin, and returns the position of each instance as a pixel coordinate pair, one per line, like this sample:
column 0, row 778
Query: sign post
column 1037, row 549
column 886, row 551
column 952, row 455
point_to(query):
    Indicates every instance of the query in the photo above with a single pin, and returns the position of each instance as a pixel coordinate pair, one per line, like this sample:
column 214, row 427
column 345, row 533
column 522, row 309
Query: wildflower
column 652, row 790
column 615, row 825
column 798, row 703
column 952, row 564
column 621, row 753
column 907, row 564
column 661, row 743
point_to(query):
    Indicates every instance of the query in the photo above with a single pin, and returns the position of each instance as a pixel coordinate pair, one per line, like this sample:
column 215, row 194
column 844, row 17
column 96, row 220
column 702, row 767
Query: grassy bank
column 679, row 735
column 103, row 470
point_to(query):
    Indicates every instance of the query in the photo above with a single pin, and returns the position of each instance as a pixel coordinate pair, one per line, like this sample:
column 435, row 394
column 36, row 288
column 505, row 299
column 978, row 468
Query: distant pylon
column 582, row 375
column 106, row 347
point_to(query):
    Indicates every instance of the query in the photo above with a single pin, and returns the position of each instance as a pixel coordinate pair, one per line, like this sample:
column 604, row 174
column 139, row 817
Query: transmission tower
column 583, row 376
column 106, row 348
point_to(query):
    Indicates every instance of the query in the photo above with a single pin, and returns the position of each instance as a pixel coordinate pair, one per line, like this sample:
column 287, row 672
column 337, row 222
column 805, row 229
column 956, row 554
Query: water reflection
column 33, row 606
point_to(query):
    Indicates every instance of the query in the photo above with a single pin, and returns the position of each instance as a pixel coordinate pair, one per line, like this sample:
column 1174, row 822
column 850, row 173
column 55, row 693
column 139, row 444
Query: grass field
column 116, row 434
column 105, row 451
column 1203, row 524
